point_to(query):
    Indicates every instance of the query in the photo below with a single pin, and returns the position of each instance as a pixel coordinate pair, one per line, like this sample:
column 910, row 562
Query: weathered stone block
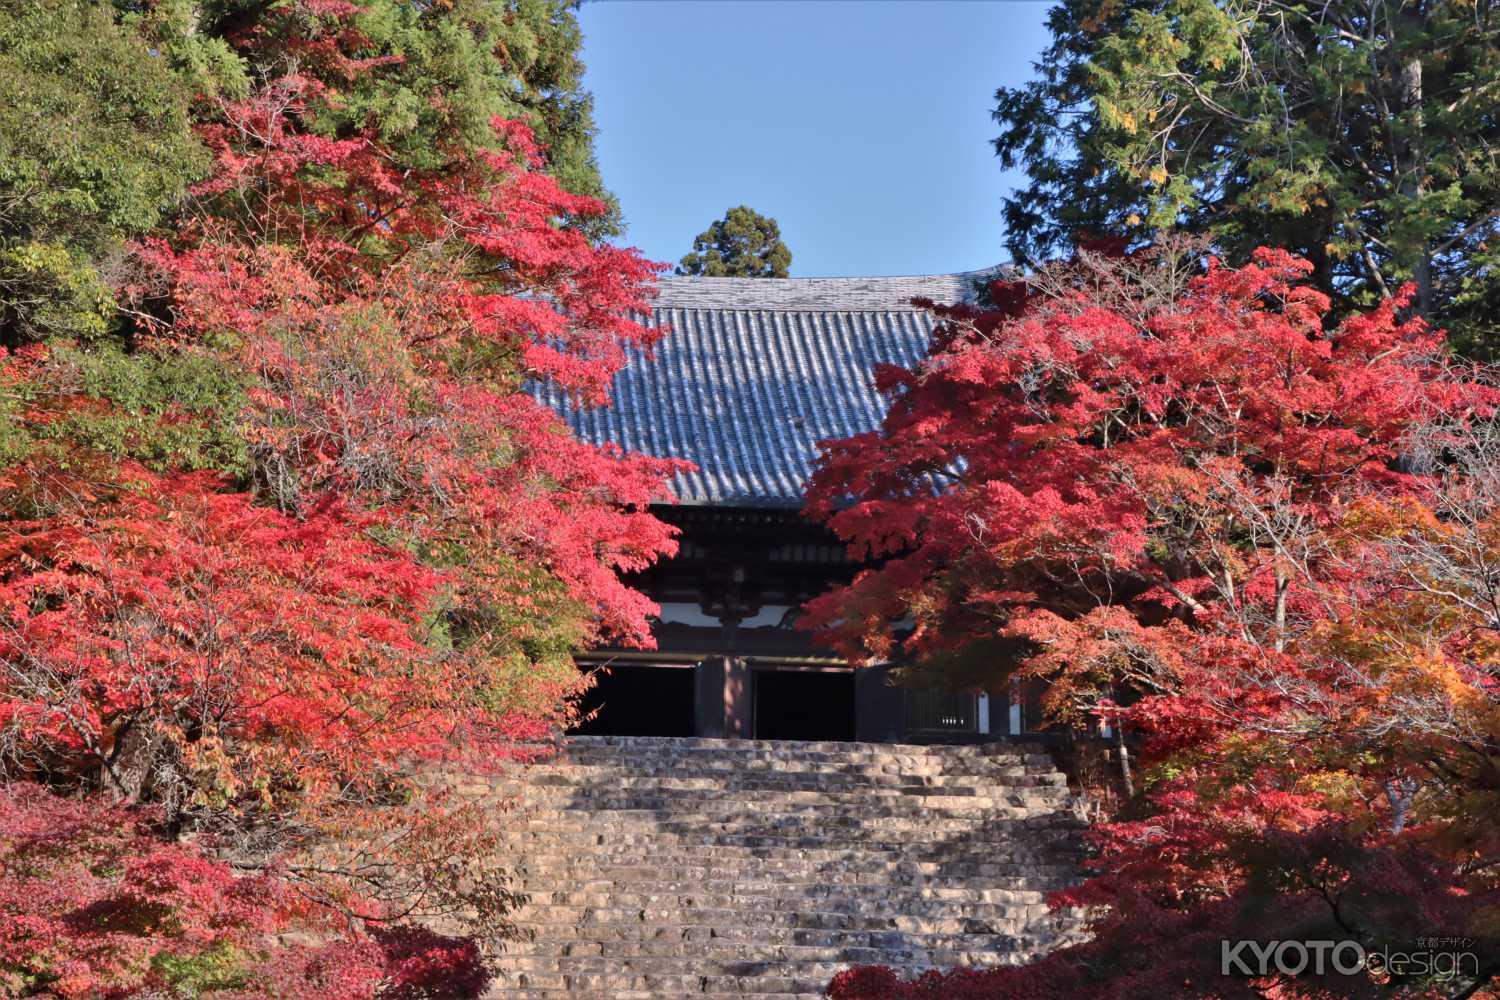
column 736, row 868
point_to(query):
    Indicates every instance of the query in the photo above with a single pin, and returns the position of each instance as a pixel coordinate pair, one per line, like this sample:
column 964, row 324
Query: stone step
column 700, row 745
column 1032, row 869
column 667, row 853
column 943, row 809
column 587, row 768
column 545, row 784
column 923, row 844
column 812, row 880
column 737, row 942
column 546, row 875
column 1036, row 814
column 914, row 765
column 501, row 993
column 796, row 962
column 915, row 769
column 603, row 892
column 683, row 786
column 730, row 984
column 953, row 868
column 911, row 763
column 765, row 878
column 596, row 766
column 1017, row 871
column 773, row 911
column 952, row 810
column 939, row 858
column 722, row 949
column 960, row 814
column 790, row 960
column 782, row 831
column 766, row 784
column 660, row 846
column 715, row 868
column 651, row 855
column 998, row 824
column 1029, row 806
column 660, row 987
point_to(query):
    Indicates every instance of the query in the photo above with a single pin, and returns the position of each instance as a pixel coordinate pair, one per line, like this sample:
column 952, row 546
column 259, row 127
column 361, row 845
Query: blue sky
column 862, row 127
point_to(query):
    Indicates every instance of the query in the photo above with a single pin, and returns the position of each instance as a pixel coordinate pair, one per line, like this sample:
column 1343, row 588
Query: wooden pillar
column 724, row 705
column 738, row 698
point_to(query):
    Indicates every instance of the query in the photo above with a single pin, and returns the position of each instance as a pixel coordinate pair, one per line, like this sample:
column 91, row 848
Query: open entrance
column 640, row 701
column 804, row 704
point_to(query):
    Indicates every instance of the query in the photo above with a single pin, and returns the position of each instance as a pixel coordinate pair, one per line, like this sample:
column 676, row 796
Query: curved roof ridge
column 821, row 294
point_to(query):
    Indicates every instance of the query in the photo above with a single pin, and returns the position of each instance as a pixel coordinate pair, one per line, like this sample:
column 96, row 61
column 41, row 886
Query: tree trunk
column 1124, row 751
column 1413, row 156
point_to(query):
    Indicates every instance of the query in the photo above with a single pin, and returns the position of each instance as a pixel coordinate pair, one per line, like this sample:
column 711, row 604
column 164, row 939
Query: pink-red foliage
column 1188, row 508
column 1064, row 442
column 264, row 642
column 389, row 334
column 94, row 903
column 217, row 648
column 412, row 547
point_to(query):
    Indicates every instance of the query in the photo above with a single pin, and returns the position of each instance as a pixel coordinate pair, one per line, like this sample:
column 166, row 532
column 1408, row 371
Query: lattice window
column 941, row 711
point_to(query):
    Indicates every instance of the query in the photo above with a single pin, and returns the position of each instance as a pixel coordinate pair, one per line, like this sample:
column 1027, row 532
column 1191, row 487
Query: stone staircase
column 700, row 868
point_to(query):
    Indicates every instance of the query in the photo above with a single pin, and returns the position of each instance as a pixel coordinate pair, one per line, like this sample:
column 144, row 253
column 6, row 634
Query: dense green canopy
column 95, row 144
column 1364, row 137
column 743, row 244
column 452, row 67
column 96, row 134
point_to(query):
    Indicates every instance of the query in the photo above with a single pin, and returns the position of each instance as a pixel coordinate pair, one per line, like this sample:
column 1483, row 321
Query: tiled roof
column 756, row 371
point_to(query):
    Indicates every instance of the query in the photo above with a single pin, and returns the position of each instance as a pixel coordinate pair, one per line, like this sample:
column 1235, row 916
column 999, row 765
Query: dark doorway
column 640, row 701
column 804, row 705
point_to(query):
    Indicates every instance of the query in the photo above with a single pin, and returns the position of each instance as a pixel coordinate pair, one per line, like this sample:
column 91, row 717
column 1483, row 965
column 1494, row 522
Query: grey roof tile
column 755, row 372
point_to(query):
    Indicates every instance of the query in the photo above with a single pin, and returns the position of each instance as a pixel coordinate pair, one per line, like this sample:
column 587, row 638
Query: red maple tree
column 240, row 622
column 1170, row 494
